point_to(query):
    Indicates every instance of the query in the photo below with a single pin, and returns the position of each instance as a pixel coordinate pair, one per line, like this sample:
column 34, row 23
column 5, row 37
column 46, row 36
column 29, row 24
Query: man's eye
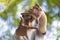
column 25, row 17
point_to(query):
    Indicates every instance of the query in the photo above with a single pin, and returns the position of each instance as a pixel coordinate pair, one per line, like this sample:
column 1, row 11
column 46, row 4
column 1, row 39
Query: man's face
column 29, row 19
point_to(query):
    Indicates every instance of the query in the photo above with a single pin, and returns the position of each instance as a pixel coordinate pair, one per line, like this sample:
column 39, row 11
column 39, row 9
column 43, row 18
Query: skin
column 26, row 25
column 36, row 33
column 42, row 24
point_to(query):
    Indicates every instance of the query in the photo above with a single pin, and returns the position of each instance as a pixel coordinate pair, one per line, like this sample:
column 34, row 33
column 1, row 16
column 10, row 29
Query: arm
column 42, row 23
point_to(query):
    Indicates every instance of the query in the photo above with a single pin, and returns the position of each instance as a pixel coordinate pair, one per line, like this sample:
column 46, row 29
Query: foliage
column 11, row 8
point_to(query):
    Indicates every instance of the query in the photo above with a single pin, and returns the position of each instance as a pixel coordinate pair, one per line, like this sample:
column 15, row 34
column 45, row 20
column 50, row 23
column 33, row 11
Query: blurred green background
column 10, row 13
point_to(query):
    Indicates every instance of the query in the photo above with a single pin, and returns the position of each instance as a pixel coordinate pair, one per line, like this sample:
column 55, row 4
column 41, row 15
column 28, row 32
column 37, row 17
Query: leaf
column 58, row 28
column 16, row 22
column 57, row 2
column 3, row 2
column 32, row 3
column 18, row 1
column 4, row 16
column 12, row 8
column 40, row 2
column 49, row 18
column 51, row 3
column 58, row 16
column 8, row 33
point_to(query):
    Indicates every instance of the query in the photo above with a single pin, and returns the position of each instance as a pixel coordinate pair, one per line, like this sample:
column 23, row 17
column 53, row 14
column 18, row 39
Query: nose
column 30, row 24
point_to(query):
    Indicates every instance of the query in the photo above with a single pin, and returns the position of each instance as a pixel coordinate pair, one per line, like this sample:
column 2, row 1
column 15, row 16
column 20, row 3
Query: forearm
column 16, row 37
column 43, row 23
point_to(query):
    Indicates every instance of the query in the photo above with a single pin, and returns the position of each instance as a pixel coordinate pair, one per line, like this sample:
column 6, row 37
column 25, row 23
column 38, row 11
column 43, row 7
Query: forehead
column 26, row 14
column 31, row 14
